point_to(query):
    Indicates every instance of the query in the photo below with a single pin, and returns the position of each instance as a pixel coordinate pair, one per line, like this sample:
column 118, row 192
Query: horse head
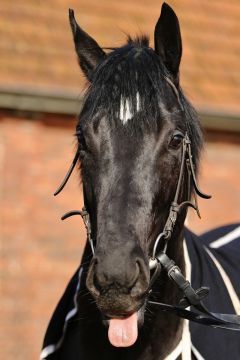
column 130, row 145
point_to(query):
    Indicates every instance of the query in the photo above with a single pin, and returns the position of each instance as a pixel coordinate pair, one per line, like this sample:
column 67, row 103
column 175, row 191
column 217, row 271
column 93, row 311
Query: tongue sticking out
column 123, row 332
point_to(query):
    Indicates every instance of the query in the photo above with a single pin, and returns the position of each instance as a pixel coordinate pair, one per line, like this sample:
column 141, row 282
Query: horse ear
column 88, row 51
column 167, row 38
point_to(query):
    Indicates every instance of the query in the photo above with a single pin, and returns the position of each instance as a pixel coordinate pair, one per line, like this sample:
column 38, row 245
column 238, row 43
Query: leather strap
column 223, row 321
column 194, row 299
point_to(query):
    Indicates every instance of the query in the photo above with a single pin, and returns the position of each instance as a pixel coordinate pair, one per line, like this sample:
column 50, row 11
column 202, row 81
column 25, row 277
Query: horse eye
column 176, row 140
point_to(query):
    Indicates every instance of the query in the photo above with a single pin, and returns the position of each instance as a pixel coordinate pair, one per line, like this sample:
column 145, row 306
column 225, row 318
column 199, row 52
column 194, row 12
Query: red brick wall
column 39, row 252
column 220, row 177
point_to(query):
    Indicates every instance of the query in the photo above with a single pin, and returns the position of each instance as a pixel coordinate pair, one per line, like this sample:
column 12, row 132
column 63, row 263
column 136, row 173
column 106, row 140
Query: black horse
column 139, row 141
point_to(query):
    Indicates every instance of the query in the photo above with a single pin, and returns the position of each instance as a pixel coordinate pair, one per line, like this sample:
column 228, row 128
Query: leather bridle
column 176, row 207
column 159, row 259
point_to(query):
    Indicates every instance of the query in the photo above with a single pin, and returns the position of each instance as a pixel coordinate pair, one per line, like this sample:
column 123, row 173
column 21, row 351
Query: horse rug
column 213, row 260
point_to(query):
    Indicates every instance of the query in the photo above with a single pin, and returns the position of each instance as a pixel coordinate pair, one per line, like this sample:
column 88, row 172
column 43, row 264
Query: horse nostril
column 97, row 283
column 136, row 277
column 98, row 280
column 140, row 284
column 91, row 281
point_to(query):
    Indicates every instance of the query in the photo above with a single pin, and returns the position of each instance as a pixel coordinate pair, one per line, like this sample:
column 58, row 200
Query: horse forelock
column 129, row 87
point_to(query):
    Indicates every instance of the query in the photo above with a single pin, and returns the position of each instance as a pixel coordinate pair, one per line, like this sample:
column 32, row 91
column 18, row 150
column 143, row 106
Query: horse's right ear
column 88, row 51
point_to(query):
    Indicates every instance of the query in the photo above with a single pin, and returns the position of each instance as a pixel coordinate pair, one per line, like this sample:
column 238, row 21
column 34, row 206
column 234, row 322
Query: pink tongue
column 123, row 332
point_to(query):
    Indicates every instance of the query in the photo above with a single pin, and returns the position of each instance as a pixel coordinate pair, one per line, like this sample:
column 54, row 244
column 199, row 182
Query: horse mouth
column 123, row 330
column 120, row 298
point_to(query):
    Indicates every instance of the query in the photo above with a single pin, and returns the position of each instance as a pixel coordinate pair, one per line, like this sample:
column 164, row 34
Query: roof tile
column 37, row 50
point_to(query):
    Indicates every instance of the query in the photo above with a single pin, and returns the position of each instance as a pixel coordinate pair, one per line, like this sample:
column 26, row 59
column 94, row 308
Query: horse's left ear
column 167, row 38
column 88, row 51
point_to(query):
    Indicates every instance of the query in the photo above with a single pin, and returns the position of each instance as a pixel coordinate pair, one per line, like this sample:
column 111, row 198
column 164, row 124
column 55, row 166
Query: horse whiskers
column 79, row 318
column 87, row 262
column 147, row 310
column 84, row 294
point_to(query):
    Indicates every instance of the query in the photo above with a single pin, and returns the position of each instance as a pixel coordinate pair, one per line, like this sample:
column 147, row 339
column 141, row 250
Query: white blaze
column 138, row 101
column 126, row 112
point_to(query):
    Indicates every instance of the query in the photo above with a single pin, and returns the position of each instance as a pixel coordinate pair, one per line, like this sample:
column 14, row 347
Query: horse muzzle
column 118, row 291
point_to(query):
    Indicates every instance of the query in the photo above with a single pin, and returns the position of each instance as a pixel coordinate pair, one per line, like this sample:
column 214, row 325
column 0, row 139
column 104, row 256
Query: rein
column 159, row 259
